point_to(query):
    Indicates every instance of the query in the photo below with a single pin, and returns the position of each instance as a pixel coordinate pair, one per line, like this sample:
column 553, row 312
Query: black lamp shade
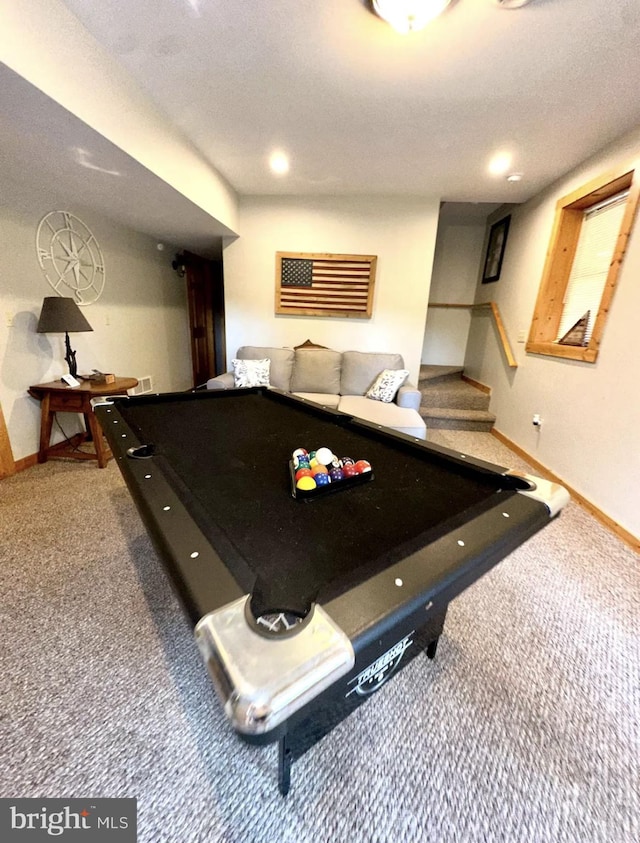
column 60, row 315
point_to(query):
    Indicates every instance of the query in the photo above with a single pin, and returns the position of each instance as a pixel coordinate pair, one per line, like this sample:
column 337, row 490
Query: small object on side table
column 99, row 377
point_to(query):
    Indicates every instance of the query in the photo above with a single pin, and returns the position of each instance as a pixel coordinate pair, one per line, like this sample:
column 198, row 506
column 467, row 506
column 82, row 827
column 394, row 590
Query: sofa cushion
column 281, row 362
column 320, row 398
column 361, row 368
column 316, row 370
column 251, row 372
column 387, row 384
column 223, row 381
column 389, row 415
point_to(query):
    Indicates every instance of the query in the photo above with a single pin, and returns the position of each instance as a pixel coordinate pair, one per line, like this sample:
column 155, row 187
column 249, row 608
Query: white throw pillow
column 251, row 372
column 386, row 385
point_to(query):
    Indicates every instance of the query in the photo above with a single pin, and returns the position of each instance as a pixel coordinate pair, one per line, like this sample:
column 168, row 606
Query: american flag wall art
column 325, row 284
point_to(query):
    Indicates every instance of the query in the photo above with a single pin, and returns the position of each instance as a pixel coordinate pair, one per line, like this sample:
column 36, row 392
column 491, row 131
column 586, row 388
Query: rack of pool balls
column 316, row 472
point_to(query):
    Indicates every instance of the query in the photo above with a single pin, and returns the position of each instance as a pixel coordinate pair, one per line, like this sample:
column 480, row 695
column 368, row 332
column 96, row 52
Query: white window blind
column 596, row 244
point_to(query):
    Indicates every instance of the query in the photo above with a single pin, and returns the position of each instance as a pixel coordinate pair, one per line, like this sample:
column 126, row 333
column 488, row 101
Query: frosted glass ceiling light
column 408, row 15
column 511, row 4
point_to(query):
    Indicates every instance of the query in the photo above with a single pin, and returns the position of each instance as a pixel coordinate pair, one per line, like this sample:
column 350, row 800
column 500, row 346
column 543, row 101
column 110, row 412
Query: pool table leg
column 284, row 766
column 432, row 646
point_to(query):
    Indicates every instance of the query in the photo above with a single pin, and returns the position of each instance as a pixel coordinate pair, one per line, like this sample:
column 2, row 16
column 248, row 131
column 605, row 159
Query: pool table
column 304, row 605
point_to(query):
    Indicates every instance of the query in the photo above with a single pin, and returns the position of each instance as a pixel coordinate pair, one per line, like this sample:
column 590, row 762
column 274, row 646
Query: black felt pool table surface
column 227, row 458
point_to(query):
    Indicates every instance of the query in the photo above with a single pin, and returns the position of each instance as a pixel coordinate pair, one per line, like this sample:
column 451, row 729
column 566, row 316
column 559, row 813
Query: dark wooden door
column 205, row 289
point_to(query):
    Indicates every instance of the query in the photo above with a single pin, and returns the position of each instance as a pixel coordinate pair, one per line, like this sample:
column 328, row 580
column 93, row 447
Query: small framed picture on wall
column 495, row 250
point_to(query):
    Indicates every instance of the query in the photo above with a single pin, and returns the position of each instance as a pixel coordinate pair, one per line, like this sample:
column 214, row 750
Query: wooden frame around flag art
column 315, row 284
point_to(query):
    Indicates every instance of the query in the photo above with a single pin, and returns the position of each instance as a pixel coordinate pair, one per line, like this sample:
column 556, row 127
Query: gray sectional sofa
column 339, row 380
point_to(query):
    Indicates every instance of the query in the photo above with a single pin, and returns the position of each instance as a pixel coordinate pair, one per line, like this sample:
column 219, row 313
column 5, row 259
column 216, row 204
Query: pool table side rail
column 436, row 574
column 198, row 575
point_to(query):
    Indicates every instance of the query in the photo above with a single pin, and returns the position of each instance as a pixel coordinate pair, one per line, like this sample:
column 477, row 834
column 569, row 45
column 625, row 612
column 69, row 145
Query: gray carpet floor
column 525, row 729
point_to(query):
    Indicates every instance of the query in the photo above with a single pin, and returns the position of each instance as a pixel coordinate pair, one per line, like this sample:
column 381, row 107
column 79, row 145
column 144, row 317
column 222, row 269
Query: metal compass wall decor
column 70, row 257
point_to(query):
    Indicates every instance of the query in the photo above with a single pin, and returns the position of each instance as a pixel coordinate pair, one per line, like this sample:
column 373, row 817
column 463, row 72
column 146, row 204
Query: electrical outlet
column 9, row 317
column 522, row 336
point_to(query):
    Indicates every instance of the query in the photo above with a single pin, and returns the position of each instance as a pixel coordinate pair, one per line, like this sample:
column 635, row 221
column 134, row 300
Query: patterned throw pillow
column 386, row 385
column 251, row 372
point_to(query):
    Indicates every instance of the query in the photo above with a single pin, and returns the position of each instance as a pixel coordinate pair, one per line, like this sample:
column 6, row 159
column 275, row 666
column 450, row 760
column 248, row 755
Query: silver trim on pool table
column 262, row 681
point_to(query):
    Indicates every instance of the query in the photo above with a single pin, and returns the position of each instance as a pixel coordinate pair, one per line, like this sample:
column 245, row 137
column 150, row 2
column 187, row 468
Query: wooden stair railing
column 497, row 318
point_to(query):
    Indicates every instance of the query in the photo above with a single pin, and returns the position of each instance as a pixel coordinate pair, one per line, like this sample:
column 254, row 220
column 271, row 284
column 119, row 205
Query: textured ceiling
column 358, row 108
column 361, row 109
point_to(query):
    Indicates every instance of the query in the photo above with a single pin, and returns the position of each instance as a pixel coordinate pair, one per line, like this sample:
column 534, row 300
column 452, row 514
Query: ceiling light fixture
column 511, row 4
column 499, row 164
column 279, row 163
column 408, row 15
column 513, row 177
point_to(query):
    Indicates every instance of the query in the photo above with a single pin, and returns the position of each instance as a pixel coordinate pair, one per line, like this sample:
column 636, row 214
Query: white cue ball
column 324, row 456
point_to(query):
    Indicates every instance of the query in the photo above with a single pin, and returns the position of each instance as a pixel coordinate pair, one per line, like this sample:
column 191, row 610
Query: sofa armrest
column 408, row 396
column 224, row 381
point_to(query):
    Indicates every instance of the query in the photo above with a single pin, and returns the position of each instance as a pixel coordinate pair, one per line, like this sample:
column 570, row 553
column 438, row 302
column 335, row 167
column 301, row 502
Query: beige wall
column 140, row 323
column 455, row 275
column 400, row 232
column 590, row 435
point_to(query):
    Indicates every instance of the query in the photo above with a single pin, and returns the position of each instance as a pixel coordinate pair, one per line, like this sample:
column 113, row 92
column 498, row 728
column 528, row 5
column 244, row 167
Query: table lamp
column 60, row 315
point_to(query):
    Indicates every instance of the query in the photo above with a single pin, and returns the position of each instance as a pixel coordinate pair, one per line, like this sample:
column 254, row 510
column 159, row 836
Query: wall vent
column 145, row 385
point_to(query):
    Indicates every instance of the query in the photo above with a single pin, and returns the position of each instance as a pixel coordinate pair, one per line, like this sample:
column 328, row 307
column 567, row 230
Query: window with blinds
column 594, row 253
column 591, row 229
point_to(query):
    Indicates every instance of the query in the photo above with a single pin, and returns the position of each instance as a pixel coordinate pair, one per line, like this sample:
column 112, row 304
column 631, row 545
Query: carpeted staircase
column 450, row 403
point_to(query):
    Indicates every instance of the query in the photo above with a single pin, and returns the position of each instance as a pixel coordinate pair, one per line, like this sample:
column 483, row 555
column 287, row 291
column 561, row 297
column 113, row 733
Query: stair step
column 446, row 418
column 434, row 374
column 450, row 403
column 455, row 394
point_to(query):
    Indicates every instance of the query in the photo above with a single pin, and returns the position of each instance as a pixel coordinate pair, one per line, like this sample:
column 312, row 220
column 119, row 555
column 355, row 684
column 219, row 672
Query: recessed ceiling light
column 515, row 176
column 500, row 163
column 279, row 163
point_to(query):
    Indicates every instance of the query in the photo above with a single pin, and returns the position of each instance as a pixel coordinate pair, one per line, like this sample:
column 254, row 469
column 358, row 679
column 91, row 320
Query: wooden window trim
column 562, row 248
